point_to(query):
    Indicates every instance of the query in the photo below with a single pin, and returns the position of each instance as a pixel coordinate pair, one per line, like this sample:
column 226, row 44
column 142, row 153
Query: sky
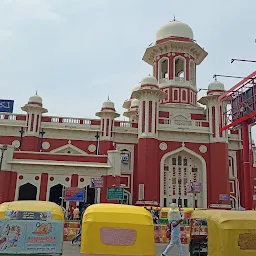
column 77, row 52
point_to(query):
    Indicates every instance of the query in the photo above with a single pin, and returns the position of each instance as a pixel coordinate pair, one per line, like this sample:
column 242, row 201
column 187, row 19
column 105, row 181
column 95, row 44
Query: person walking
column 174, row 219
column 76, row 238
column 76, row 213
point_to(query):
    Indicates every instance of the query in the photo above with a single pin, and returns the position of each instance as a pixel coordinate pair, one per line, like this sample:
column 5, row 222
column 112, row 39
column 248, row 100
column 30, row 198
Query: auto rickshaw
column 114, row 229
column 228, row 233
column 31, row 228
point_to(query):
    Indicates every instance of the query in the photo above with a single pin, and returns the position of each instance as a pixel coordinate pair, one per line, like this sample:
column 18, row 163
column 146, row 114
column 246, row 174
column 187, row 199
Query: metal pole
column 62, row 196
column 2, row 156
column 246, row 166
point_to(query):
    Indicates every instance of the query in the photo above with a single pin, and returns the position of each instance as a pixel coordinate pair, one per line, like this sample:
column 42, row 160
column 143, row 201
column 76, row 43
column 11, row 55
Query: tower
column 148, row 181
column 219, row 158
column 34, row 109
column 107, row 115
column 174, row 58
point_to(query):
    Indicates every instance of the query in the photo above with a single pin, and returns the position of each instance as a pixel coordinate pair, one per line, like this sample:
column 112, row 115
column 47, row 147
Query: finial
column 149, row 75
column 36, row 92
column 174, row 18
column 108, row 97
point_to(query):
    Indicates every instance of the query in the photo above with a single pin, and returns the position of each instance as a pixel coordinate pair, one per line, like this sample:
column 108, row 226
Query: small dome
column 135, row 103
column 35, row 100
column 216, row 86
column 149, row 80
column 174, row 28
column 136, row 87
column 108, row 105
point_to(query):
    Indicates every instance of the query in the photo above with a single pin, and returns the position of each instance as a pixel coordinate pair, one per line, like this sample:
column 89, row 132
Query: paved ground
column 74, row 250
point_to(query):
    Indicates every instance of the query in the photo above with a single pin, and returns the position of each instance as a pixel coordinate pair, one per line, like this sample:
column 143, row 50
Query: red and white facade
column 170, row 138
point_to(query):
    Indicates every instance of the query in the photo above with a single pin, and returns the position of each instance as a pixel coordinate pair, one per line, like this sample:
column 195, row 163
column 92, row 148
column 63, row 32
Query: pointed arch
column 163, row 68
column 204, row 172
column 27, row 191
column 179, row 67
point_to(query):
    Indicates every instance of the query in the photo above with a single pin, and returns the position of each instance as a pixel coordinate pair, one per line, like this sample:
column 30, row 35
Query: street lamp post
column 97, row 136
column 3, row 149
column 21, row 131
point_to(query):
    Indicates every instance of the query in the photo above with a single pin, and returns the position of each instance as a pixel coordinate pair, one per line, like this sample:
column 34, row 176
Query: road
column 74, row 250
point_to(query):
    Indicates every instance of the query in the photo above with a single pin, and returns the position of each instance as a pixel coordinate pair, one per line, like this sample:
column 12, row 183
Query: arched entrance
column 178, row 169
column 56, row 193
column 27, row 192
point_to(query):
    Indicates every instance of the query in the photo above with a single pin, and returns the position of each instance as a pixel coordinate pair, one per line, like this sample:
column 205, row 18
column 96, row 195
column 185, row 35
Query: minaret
column 107, row 115
column 174, row 58
column 133, row 111
column 218, row 153
column 34, row 109
column 147, row 183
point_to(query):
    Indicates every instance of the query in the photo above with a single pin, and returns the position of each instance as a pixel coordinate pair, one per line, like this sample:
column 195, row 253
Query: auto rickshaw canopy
column 35, row 206
column 117, row 229
column 225, row 219
column 119, row 213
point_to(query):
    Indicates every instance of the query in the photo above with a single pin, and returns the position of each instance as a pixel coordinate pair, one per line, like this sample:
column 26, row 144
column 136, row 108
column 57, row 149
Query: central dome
column 174, row 28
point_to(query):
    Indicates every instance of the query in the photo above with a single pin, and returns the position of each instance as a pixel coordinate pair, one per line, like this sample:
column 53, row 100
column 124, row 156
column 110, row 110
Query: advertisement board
column 74, row 194
column 6, row 106
column 30, row 233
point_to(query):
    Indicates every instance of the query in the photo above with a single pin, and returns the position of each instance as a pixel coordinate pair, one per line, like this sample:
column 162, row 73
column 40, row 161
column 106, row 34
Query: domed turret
column 35, row 100
column 108, row 106
column 135, row 103
column 215, row 88
column 149, row 82
column 136, row 87
column 175, row 29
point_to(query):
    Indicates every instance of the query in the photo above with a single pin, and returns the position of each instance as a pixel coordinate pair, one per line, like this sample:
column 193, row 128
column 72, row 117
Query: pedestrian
column 76, row 213
column 79, row 233
column 70, row 212
column 173, row 228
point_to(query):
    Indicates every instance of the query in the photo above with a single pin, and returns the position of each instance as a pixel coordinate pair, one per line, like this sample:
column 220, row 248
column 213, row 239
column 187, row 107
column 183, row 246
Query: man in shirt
column 175, row 238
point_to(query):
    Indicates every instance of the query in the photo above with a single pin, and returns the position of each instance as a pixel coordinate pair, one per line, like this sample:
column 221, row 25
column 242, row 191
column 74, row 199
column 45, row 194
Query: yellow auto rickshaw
column 228, row 233
column 114, row 229
column 31, row 228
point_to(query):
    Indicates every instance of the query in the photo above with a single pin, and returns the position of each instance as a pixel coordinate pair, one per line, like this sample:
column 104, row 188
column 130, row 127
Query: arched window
column 179, row 67
column 192, row 72
column 163, row 68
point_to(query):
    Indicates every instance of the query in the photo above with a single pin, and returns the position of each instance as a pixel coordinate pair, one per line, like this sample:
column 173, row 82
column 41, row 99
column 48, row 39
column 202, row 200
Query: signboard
column 74, row 194
column 6, row 106
column 223, row 197
column 115, row 194
column 194, row 187
column 30, row 236
column 97, row 183
column 28, row 215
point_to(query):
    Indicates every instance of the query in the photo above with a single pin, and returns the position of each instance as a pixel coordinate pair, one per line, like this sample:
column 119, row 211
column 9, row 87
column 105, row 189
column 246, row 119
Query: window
column 165, row 203
column 185, row 161
column 174, row 161
column 163, row 68
column 174, row 200
column 179, row 160
column 179, row 68
column 185, row 202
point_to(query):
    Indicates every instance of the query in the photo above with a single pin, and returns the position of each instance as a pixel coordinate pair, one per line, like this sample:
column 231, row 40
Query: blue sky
column 77, row 52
